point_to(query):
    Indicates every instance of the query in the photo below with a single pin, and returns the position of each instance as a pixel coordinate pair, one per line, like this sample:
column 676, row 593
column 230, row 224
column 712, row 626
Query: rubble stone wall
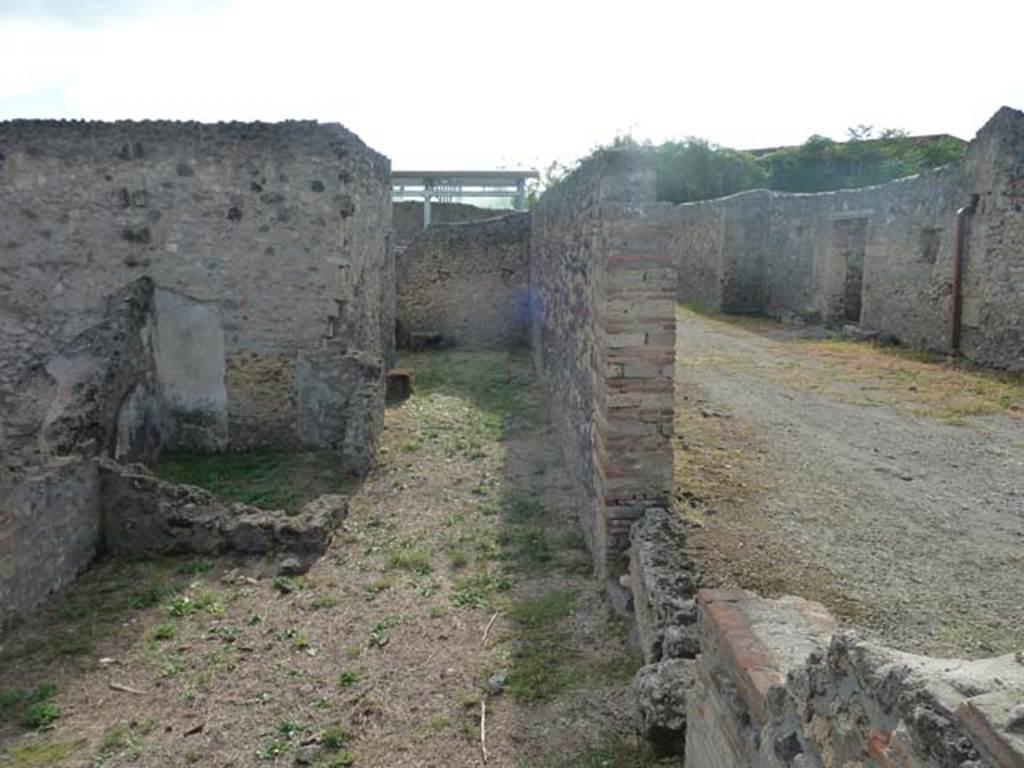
column 734, row 680
column 177, row 285
column 276, row 233
column 144, row 516
column 603, row 336
column 466, row 283
column 880, row 256
column 776, row 685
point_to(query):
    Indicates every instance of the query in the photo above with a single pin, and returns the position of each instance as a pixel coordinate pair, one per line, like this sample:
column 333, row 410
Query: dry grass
column 723, row 471
column 943, row 389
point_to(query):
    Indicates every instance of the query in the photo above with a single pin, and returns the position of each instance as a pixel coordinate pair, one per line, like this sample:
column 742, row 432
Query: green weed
column 478, row 589
column 335, row 737
column 267, row 479
column 542, row 611
column 415, row 560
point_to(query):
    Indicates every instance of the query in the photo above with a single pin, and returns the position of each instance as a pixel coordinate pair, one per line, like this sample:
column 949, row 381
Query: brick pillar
column 634, row 308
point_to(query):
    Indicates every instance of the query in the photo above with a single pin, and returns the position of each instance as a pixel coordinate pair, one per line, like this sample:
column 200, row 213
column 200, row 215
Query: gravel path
column 909, row 527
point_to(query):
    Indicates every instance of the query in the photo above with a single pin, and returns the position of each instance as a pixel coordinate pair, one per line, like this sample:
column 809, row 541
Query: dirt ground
column 887, row 485
column 459, row 584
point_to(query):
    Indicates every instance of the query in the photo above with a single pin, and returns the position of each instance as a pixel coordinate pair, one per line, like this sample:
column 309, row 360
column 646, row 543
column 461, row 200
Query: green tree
column 696, row 169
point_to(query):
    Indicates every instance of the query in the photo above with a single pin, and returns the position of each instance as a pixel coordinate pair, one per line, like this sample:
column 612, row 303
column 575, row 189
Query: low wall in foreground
column 734, row 680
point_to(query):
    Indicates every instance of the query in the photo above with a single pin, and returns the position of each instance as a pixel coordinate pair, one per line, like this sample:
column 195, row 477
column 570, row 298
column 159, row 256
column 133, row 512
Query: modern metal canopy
column 445, row 186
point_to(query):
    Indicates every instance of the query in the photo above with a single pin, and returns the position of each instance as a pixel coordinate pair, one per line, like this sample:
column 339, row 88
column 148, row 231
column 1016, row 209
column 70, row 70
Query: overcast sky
column 433, row 83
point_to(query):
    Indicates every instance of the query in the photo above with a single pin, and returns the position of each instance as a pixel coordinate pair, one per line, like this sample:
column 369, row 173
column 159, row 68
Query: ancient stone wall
column 279, row 231
column 603, row 335
column 96, row 394
column 466, row 284
column 144, row 516
column 880, row 256
column 734, row 680
column 408, row 217
column 178, row 285
column 776, row 685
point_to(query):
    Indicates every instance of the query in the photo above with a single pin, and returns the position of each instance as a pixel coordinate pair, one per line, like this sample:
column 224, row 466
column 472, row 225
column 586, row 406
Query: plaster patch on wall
column 189, row 352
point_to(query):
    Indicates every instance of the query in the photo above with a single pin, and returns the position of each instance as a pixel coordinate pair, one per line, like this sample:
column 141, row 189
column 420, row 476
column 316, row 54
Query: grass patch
column 478, row 589
column 542, row 668
column 499, row 386
column 165, row 632
column 544, row 663
column 91, row 608
column 377, row 586
column 42, row 754
column 379, row 636
column 336, row 737
column 324, row 602
column 435, row 725
column 117, row 742
column 526, row 546
column 518, row 504
column 273, row 749
column 415, row 560
column 40, row 715
column 267, row 479
column 950, row 390
column 32, row 708
column 542, row 611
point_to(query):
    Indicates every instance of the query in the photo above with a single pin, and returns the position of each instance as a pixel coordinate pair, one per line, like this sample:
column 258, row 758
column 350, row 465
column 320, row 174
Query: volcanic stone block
column 660, row 691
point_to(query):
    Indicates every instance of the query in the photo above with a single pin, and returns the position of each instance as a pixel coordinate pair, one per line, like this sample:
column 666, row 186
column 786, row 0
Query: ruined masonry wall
column 603, row 335
column 178, row 285
column 787, row 254
column 281, row 229
column 467, row 282
column 777, row 685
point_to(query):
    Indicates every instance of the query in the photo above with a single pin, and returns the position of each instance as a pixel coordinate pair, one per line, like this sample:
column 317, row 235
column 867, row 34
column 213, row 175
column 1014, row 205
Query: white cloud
column 486, row 83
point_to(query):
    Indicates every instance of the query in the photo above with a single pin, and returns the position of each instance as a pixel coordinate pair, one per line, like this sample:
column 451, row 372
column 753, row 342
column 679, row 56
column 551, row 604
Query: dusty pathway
column 888, row 487
column 380, row 656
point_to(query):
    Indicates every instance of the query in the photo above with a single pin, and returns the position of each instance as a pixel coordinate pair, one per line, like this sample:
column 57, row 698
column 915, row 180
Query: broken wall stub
column 49, row 530
column 880, row 256
column 777, row 685
column 603, row 335
column 466, row 283
column 664, row 585
column 64, row 404
column 144, row 516
column 340, row 405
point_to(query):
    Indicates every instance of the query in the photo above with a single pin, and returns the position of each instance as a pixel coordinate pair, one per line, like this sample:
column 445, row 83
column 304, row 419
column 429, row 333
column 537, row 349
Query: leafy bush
column 696, row 169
